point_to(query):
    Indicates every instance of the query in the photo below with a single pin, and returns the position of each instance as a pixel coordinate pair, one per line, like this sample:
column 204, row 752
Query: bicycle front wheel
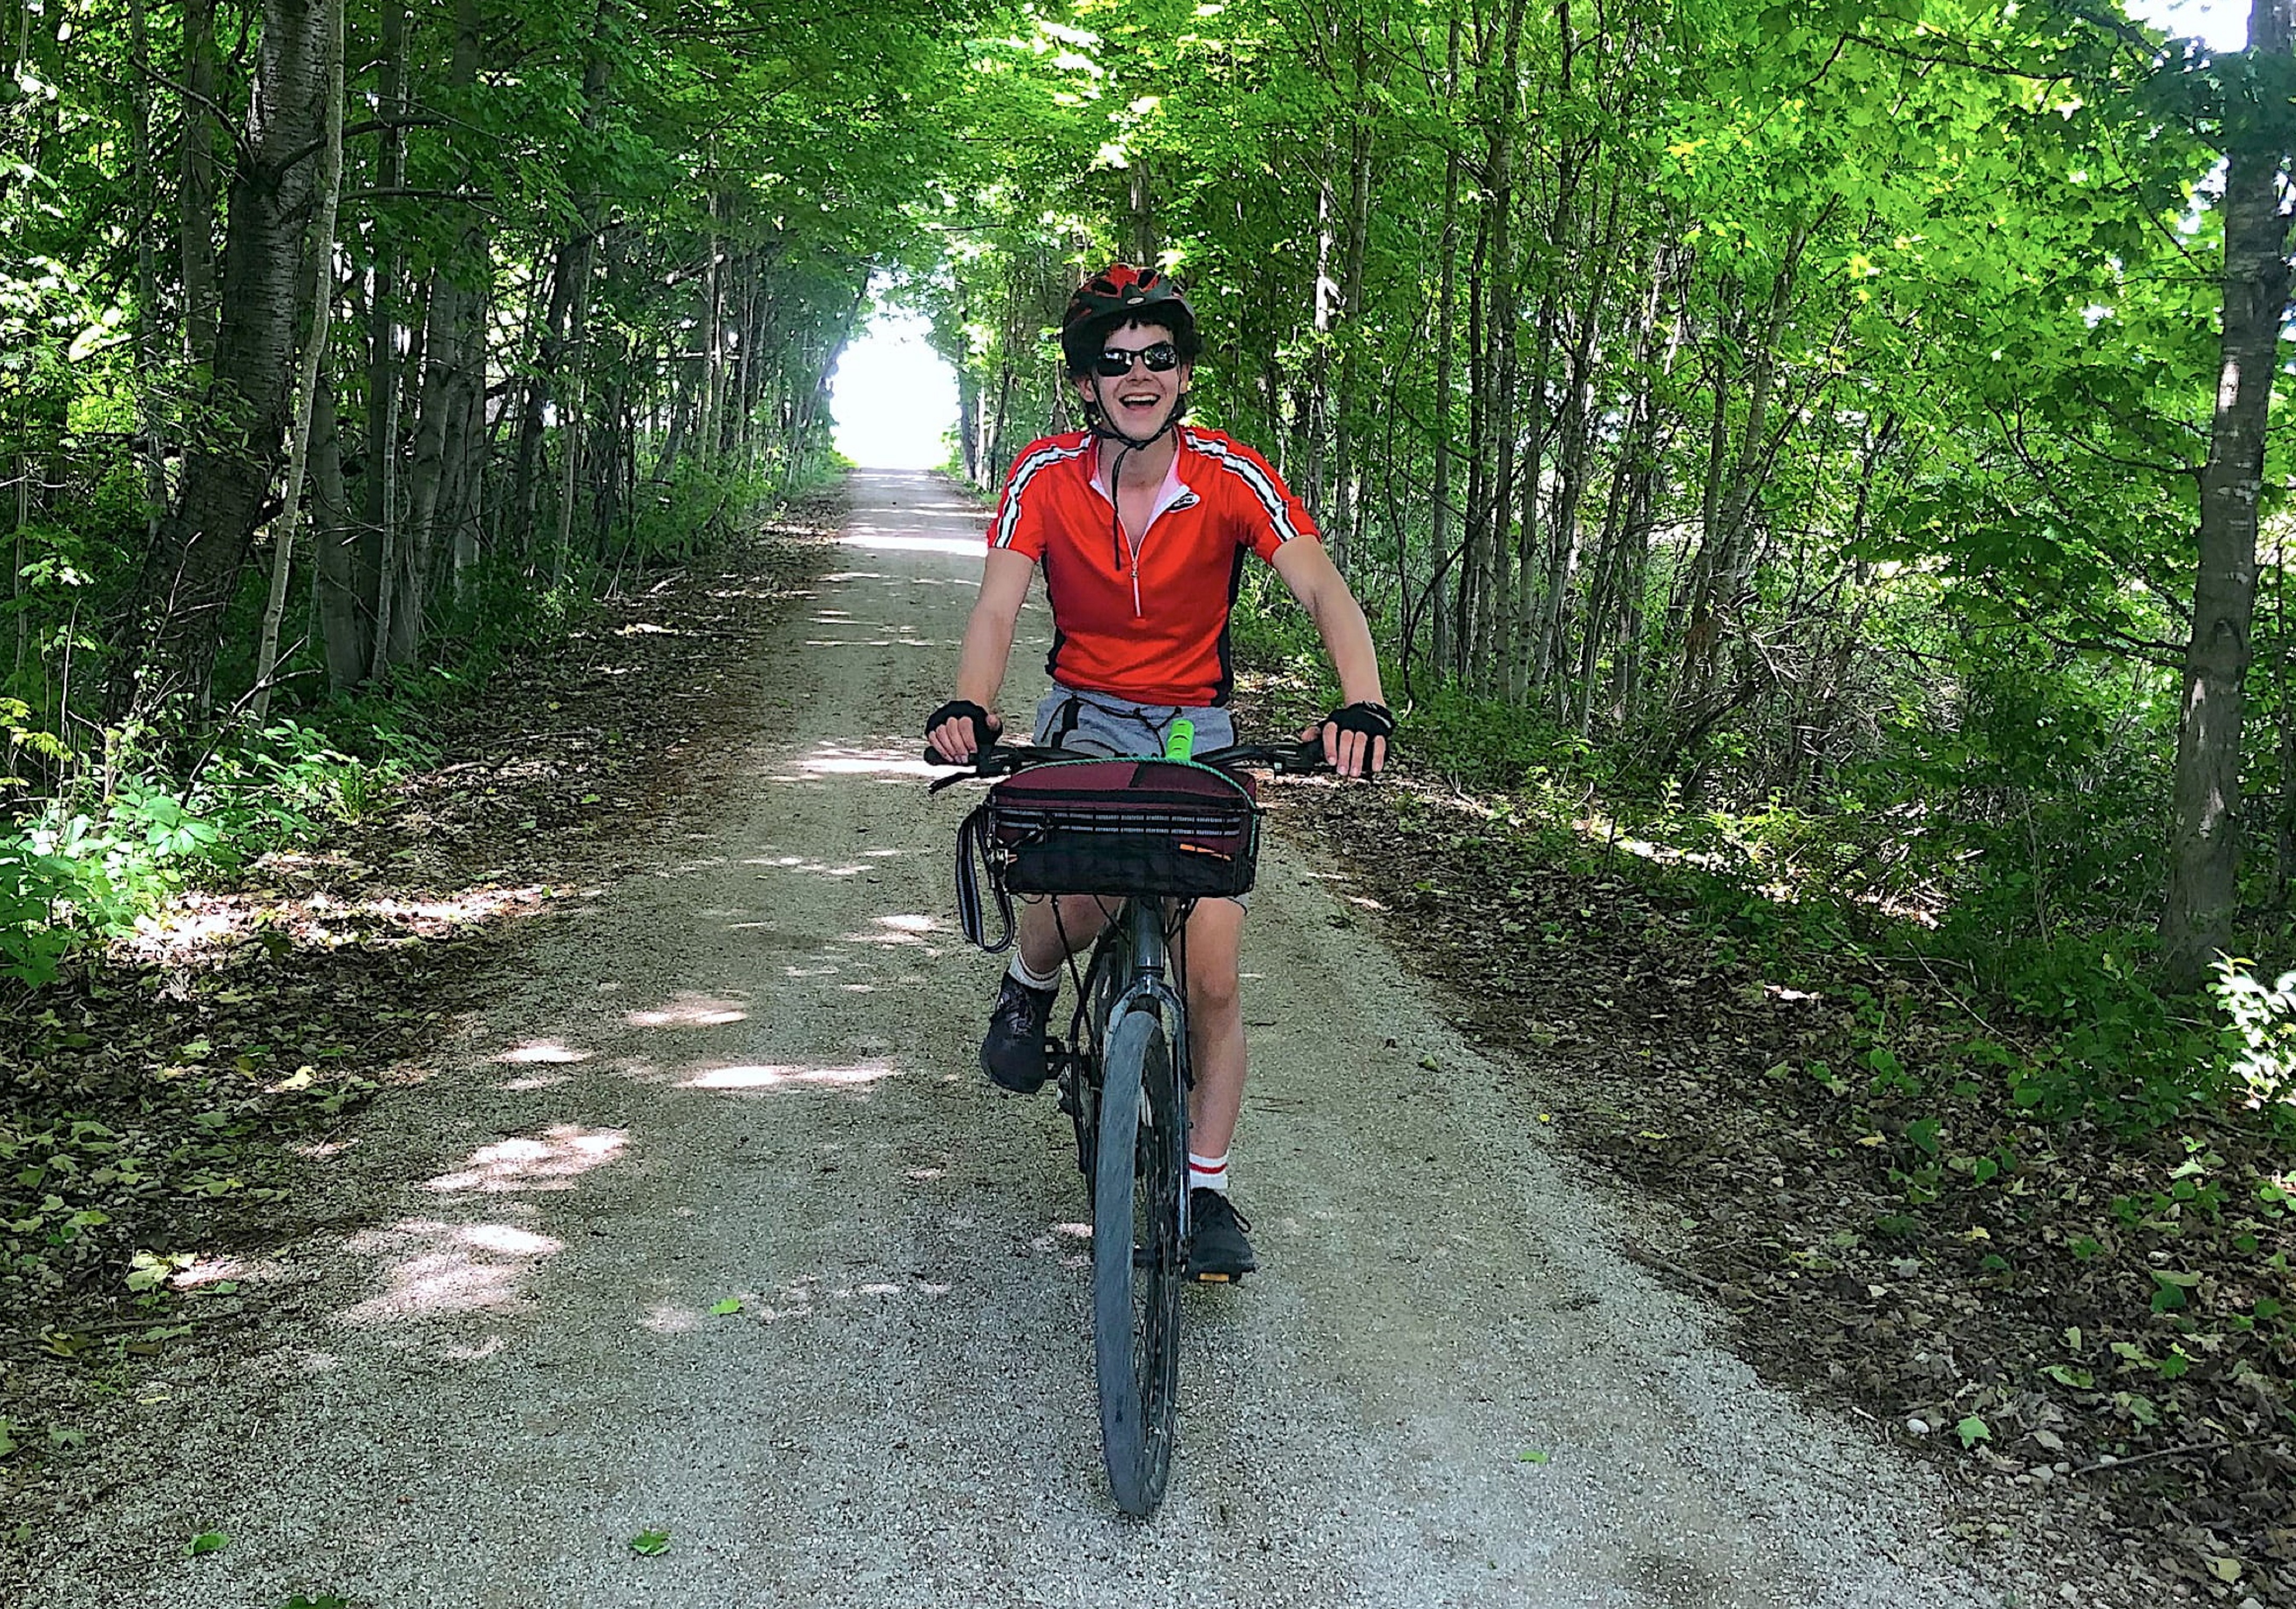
column 1103, row 985
column 1141, row 1165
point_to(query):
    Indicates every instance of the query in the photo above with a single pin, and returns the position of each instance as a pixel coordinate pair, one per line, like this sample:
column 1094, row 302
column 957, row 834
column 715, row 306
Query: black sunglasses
column 1114, row 362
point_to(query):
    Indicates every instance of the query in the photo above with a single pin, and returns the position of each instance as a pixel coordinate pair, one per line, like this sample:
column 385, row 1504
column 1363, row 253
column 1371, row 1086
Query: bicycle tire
column 1136, row 1255
column 1103, row 985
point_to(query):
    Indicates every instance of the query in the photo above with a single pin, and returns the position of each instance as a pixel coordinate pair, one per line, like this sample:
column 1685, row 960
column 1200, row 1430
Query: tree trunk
column 1478, row 405
column 549, row 351
column 346, row 554
column 436, row 405
column 1493, row 560
column 384, row 370
column 2196, row 924
column 314, row 352
column 196, row 201
column 1344, row 513
column 1440, row 625
column 173, row 625
column 147, row 287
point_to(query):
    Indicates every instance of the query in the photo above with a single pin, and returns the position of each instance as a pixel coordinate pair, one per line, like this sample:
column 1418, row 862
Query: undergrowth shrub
column 86, row 867
column 2261, row 1035
column 2009, row 846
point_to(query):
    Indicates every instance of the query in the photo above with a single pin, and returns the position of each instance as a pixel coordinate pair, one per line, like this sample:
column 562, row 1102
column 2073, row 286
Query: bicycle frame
column 1134, row 946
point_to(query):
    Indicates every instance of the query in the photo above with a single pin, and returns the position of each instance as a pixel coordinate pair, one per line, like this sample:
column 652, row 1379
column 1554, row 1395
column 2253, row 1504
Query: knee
column 1212, row 990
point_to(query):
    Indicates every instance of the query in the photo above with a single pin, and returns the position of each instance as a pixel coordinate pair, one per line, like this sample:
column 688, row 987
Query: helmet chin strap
column 1106, row 428
column 1106, row 431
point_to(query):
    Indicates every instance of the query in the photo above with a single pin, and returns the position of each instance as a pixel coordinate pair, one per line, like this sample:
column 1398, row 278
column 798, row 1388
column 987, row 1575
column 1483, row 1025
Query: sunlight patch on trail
column 891, row 541
column 543, row 1051
column 830, row 760
column 550, row 1161
column 740, row 1078
column 690, row 1009
column 450, row 1268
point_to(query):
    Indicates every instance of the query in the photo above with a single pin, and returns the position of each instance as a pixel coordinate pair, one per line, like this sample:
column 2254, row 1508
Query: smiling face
column 1140, row 402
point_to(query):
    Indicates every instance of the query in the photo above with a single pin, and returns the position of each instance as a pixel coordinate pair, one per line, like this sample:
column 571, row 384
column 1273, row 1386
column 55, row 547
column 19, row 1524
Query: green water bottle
column 1180, row 742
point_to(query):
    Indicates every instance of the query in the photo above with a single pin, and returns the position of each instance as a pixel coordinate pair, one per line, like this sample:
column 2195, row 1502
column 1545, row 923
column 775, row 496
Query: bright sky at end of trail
column 2222, row 25
column 894, row 397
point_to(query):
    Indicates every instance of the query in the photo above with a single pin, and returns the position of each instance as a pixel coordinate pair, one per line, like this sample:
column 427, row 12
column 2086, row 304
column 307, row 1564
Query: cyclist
column 1143, row 526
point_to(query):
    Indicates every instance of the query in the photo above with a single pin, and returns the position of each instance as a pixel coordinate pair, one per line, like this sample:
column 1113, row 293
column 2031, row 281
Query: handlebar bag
column 1155, row 828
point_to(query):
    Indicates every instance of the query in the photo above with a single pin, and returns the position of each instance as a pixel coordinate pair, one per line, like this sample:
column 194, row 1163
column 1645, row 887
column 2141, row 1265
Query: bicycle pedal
column 1216, row 1278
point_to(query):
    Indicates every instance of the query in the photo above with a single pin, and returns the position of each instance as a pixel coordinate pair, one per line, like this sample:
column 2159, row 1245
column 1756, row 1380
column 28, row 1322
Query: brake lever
column 1305, row 757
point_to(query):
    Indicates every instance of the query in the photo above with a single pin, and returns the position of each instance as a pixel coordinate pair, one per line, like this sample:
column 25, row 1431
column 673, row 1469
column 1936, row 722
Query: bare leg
column 1081, row 918
column 1215, row 1025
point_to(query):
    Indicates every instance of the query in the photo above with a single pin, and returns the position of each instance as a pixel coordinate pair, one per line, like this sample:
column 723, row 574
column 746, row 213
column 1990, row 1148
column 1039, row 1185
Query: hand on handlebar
column 1355, row 738
column 960, row 729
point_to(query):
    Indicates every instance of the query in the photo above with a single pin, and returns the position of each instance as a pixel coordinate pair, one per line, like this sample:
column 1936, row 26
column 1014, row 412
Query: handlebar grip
column 1308, row 756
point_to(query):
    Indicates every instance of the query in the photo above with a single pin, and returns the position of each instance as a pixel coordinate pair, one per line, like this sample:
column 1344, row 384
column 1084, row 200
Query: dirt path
column 747, row 1071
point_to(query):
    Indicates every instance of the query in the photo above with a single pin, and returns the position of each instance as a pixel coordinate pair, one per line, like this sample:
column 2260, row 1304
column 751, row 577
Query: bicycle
column 1123, row 1065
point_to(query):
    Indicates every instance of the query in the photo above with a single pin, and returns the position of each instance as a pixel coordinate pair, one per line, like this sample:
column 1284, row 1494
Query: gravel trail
column 747, row 1071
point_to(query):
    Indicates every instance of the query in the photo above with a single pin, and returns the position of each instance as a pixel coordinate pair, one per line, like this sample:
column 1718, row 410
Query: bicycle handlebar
column 1002, row 759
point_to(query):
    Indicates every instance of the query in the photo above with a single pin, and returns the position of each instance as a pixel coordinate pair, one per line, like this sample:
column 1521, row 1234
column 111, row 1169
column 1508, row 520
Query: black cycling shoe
column 1217, row 1252
column 1012, row 1055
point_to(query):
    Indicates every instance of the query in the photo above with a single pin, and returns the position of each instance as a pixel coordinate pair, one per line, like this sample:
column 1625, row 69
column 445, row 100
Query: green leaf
column 649, row 1543
column 732, row 1304
column 1972, row 1431
column 1531, row 1456
column 207, row 1541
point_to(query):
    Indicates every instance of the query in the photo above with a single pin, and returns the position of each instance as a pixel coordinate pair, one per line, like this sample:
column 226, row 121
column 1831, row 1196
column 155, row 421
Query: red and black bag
column 1150, row 827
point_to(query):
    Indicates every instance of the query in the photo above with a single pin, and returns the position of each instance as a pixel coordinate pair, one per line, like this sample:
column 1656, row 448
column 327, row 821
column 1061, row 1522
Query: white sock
column 1208, row 1172
column 1019, row 971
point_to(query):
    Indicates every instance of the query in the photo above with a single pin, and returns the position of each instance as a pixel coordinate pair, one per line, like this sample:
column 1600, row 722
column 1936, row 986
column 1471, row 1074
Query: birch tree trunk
column 314, row 352
column 1446, row 314
column 2196, row 924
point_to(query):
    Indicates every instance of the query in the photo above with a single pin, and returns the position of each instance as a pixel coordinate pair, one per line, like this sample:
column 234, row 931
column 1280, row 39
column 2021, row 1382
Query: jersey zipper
column 1186, row 499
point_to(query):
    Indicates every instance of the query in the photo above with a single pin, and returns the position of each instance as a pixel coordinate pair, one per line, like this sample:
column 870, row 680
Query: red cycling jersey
column 1145, row 620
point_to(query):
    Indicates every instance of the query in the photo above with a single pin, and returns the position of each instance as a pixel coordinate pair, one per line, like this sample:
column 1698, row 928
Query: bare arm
column 988, row 644
column 1323, row 592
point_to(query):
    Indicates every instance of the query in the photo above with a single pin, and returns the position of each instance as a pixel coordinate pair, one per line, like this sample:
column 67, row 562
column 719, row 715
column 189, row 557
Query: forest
column 1844, row 438
column 1852, row 424
column 340, row 349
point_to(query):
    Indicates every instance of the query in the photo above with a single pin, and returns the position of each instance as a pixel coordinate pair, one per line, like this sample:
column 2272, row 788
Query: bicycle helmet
column 1116, row 295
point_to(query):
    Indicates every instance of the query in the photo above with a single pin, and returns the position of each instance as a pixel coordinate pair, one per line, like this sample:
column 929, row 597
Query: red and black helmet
column 1114, row 296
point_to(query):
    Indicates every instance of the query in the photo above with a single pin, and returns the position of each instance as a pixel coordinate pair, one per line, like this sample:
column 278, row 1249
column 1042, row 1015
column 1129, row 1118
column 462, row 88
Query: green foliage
column 81, row 870
column 2260, row 1033
column 1792, row 888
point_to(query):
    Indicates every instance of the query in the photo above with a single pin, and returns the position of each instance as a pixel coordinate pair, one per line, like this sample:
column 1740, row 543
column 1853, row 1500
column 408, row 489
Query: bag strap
column 972, row 860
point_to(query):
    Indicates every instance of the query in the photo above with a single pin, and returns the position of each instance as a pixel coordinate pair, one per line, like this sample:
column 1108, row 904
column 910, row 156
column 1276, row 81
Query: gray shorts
column 1101, row 723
